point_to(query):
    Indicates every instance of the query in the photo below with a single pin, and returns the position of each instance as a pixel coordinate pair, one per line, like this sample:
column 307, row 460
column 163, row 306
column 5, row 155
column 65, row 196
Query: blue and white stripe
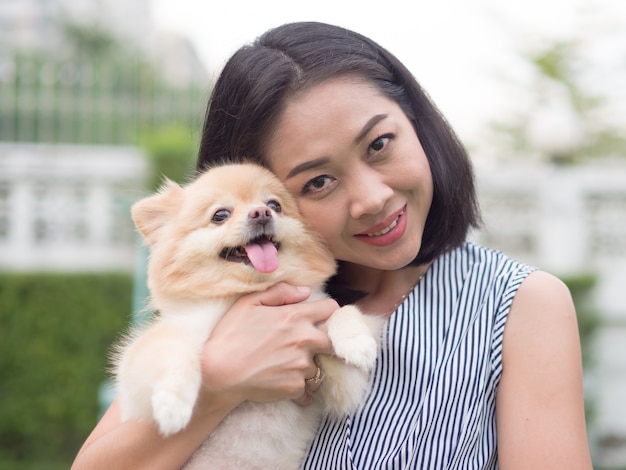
column 432, row 404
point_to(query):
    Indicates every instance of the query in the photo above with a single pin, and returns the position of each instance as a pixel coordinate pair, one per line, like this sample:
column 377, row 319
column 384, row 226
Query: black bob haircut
column 258, row 79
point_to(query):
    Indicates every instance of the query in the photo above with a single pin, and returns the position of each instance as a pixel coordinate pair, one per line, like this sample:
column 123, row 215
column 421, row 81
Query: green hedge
column 55, row 334
column 581, row 287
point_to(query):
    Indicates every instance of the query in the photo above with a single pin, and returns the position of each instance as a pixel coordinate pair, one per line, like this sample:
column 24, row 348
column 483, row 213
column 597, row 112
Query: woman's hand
column 263, row 347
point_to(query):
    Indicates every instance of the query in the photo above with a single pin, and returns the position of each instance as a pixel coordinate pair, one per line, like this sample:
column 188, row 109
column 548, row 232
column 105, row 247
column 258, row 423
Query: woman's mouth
column 386, row 229
column 387, row 232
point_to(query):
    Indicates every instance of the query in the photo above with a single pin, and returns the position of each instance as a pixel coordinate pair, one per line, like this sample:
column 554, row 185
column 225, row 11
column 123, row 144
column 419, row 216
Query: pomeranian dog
column 233, row 231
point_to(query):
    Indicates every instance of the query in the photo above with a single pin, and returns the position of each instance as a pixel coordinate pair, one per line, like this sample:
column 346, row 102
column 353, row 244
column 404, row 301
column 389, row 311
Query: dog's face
column 235, row 229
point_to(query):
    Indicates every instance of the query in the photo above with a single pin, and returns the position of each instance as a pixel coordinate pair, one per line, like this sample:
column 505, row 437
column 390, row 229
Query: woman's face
column 357, row 169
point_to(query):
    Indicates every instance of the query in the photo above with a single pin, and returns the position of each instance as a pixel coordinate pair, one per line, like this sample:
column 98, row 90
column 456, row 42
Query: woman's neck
column 383, row 290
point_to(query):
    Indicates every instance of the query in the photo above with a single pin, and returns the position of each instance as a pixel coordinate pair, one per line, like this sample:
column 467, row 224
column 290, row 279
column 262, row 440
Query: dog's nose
column 260, row 215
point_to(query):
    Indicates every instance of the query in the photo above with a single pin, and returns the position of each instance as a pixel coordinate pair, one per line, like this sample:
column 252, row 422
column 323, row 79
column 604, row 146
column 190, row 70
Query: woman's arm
column 138, row 444
column 261, row 350
column 540, row 406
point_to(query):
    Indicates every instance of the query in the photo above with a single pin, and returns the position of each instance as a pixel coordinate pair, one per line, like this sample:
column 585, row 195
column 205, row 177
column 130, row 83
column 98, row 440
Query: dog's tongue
column 263, row 256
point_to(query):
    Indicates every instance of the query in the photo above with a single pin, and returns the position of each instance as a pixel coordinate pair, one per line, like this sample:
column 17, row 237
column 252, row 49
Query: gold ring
column 317, row 378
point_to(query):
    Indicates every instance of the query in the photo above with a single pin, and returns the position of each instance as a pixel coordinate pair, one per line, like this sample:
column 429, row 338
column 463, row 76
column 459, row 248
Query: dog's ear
column 154, row 212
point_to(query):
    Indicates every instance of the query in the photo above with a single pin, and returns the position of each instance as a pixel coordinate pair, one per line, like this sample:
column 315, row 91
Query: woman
column 480, row 365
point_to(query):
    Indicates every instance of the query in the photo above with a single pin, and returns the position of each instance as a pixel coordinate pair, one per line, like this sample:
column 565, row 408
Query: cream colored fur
column 191, row 285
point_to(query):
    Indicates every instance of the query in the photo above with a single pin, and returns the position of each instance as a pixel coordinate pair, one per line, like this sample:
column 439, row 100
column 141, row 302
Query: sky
column 465, row 53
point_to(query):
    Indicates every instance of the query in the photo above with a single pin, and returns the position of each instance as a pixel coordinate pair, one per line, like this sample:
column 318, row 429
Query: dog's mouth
column 261, row 253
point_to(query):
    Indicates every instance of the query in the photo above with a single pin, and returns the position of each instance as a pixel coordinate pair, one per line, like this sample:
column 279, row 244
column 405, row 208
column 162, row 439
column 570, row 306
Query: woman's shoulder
column 542, row 307
column 540, row 289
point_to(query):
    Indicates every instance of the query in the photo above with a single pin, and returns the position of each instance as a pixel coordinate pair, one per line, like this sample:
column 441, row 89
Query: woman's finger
column 313, row 380
column 283, row 294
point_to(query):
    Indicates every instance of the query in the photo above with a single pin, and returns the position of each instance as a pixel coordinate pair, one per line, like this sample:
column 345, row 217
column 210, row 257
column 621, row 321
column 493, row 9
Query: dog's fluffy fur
column 233, row 231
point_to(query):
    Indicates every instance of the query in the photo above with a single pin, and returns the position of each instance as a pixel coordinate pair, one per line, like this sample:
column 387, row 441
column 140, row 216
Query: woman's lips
column 387, row 232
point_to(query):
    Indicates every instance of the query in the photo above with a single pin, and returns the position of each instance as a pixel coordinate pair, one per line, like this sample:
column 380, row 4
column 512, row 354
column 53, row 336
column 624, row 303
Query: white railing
column 66, row 207
column 566, row 219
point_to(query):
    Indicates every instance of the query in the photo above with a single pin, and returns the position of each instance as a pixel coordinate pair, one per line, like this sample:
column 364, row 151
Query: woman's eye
column 220, row 216
column 318, row 184
column 380, row 143
column 274, row 205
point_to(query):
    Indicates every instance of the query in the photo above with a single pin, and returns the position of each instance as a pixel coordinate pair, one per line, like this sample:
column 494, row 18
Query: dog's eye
column 274, row 205
column 220, row 216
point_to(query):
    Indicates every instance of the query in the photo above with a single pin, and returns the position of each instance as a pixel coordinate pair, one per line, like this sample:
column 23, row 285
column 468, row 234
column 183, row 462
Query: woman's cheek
column 321, row 219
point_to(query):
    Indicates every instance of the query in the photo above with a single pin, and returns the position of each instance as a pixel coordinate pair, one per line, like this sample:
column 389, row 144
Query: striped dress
column 432, row 404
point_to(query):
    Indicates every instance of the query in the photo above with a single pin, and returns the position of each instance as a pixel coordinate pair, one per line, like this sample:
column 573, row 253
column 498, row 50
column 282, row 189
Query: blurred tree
column 563, row 122
column 88, row 41
column 172, row 151
column 581, row 287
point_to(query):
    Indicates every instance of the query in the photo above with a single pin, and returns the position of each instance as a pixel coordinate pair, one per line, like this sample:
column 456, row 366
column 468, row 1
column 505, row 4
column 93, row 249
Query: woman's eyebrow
column 307, row 166
column 368, row 127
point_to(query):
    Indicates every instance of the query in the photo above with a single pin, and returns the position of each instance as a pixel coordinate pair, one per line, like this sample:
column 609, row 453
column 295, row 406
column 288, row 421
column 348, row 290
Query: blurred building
column 49, row 27
column 38, row 24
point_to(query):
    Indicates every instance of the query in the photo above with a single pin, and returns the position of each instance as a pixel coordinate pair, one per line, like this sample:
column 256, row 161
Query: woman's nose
column 368, row 192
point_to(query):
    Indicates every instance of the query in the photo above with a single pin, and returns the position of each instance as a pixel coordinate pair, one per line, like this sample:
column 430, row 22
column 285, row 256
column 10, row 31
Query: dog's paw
column 172, row 411
column 354, row 338
column 358, row 350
